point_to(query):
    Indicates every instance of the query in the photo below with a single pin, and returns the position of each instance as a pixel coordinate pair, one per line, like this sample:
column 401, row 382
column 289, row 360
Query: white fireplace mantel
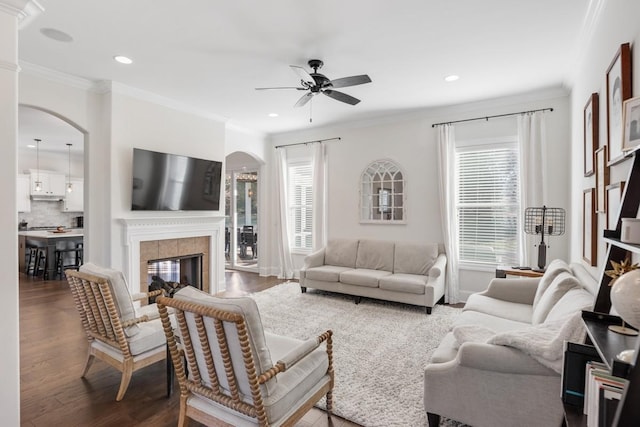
column 138, row 230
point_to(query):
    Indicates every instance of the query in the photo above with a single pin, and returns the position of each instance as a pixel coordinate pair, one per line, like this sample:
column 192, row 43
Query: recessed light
column 31, row 146
column 273, row 114
column 57, row 35
column 451, row 78
column 123, row 59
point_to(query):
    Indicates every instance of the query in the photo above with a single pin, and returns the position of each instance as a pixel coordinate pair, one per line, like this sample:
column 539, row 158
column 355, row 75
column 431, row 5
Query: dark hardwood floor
column 53, row 352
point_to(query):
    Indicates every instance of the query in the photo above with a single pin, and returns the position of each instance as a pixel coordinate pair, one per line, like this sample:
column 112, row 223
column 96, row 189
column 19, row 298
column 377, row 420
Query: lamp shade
column 625, row 297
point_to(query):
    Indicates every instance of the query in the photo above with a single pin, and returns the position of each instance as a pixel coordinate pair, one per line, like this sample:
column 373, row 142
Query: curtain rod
column 309, row 142
column 491, row 117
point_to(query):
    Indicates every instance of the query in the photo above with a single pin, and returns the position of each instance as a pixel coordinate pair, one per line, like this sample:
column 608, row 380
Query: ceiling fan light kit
column 316, row 83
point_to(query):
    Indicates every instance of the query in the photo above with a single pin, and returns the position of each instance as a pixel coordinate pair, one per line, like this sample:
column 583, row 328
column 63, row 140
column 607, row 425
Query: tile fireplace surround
column 154, row 238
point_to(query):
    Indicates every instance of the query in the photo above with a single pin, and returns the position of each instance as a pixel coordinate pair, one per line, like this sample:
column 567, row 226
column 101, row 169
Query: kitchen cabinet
column 74, row 201
column 24, row 201
column 53, row 183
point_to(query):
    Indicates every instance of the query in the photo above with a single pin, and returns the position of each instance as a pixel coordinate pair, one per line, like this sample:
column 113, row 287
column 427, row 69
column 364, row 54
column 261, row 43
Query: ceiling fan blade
column 282, row 87
column 339, row 96
column 304, row 99
column 304, row 76
column 351, row 81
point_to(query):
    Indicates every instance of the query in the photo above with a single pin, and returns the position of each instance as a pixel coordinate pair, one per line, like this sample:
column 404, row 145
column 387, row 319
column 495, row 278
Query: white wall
column 410, row 141
column 617, row 24
column 143, row 124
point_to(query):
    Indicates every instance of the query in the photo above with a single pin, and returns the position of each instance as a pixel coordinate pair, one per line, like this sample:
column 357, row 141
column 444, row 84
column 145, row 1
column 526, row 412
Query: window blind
column 488, row 204
column 300, row 206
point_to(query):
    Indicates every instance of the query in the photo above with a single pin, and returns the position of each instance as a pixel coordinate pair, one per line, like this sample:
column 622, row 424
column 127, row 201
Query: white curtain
column 446, row 164
column 319, row 236
column 286, row 263
column 533, row 182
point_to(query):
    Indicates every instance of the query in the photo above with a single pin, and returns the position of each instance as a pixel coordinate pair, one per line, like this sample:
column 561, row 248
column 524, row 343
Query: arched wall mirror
column 382, row 193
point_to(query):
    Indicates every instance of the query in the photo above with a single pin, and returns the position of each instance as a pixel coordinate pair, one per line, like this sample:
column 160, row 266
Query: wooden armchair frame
column 101, row 322
column 231, row 398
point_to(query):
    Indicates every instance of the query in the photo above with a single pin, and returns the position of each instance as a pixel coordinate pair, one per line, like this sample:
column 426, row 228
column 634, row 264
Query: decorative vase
column 625, row 297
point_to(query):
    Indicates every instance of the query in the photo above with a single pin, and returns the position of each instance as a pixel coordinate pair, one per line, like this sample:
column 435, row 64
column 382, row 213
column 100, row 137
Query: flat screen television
column 169, row 182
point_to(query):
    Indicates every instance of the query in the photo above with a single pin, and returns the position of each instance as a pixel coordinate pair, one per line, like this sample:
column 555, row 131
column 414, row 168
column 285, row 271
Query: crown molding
column 235, row 127
column 58, row 76
column 24, row 10
column 154, row 98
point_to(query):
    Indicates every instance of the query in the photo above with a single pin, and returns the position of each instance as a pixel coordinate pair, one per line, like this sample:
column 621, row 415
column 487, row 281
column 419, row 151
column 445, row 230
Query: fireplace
column 185, row 270
column 148, row 239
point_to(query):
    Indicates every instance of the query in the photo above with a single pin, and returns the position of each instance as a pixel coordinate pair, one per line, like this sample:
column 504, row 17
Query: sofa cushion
column 119, row 292
column 325, row 273
column 414, row 258
column 575, row 300
column 407, row 283
column 499, row 308
column 446, row 351
column 375, row 255
column 560, row 285
column 495, row 323
column 341, row 252
column 363, row 277
column 554, row 268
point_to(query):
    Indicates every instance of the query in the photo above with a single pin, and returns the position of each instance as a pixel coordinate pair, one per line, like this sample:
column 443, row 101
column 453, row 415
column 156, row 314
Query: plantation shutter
column 300, row 206
column 488, row 204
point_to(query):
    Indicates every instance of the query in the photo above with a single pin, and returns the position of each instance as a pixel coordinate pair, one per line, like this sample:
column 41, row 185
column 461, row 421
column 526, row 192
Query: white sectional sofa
column 501, row 363
column 395, row 271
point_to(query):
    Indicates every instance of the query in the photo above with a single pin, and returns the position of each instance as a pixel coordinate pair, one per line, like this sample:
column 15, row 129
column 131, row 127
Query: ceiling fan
column 316, row 83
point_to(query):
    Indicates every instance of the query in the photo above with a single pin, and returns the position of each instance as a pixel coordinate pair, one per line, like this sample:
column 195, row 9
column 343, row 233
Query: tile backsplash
column 48, row 213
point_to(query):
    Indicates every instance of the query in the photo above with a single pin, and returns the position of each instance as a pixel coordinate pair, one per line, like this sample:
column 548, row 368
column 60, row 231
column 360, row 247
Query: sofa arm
column 438, row 267
column 315, row 259
column 522, row 290
column 500, row 358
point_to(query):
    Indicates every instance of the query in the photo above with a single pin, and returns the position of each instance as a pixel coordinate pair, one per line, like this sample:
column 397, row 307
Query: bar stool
column 31, row 254
column 60, row 259
column 41, row 263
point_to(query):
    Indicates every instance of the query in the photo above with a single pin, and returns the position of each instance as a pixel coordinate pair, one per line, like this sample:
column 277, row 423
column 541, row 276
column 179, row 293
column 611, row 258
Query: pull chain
column 311, row 110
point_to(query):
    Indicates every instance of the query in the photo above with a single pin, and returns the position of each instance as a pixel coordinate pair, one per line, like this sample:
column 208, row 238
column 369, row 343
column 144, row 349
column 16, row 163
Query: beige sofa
column 501, row 363
column 394, row 271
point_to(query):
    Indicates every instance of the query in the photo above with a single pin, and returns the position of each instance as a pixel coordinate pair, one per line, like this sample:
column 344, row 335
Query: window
column 488, row 203
column 382, row 193
column 300, row 206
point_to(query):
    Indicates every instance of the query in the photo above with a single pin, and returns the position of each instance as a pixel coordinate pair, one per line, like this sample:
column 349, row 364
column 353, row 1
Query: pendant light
column 69, row 185
column 38, row 183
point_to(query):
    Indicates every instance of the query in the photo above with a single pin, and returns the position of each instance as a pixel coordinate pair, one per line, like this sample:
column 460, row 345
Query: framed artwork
column 618, row 90
column 614, row 200
column 602, row 179
column 631, row 129
column 590, row 133
column 589, row 225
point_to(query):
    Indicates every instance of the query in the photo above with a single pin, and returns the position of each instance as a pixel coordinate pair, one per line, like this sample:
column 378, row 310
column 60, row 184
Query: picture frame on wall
column 614, row 202
column 589, row 224
column 618, row 91
column 590, row 133
column 602, row 179
column 631, row 130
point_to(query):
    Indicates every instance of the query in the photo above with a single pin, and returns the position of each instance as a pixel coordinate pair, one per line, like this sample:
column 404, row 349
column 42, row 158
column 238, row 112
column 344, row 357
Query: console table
column 502, row 272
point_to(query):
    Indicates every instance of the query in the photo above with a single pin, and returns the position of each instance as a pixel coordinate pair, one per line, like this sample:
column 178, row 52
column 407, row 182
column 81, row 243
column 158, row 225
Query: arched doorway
column 57, row 161
column 242, row 211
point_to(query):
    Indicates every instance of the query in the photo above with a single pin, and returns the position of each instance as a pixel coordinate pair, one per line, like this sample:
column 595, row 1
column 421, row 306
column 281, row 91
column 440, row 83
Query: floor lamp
column 545, row 222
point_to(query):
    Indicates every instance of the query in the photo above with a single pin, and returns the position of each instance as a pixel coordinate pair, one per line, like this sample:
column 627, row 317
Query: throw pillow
column 554, row 268
column 560, row 285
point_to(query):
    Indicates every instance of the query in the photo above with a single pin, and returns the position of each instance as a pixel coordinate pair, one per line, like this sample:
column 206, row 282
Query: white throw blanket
column 543, row 342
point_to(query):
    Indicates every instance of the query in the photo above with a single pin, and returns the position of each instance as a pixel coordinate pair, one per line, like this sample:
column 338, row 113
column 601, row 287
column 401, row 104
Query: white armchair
column 124, row 337
column 231, row 377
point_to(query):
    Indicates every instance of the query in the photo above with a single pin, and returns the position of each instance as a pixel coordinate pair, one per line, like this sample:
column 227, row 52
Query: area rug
column 380, row 349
